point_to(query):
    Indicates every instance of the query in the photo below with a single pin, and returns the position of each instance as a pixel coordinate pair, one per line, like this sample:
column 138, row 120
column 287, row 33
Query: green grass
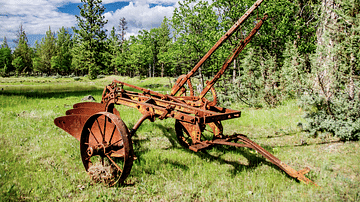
column 39, row 161
column 30, row 85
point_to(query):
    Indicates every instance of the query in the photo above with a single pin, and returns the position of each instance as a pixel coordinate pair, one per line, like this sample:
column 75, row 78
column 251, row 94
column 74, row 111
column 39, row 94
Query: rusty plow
column 105, row 141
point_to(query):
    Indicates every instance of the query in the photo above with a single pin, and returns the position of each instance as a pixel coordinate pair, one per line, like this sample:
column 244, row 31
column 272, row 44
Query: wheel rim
column 106, row 148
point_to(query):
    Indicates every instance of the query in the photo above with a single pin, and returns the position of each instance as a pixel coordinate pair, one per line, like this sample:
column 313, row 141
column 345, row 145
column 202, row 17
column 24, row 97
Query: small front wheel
column 106, row 148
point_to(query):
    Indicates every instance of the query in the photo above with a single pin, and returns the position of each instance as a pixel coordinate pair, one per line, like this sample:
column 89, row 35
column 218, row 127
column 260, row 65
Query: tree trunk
column 234, row 71
column 149, row 70
column 201, row 77
column 153, row 70
column 326, row 59
column 162, row 69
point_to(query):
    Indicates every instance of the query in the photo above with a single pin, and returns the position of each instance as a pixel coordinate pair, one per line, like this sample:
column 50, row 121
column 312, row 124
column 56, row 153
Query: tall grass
column 39, row 161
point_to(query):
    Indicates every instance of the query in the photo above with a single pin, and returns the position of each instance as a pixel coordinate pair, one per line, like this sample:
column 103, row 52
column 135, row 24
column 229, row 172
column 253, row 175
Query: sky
column 37, row 16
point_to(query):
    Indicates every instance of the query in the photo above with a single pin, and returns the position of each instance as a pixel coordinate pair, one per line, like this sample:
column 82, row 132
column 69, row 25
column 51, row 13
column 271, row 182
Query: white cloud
column 139, row 16
column 35, row 15
column 162, row 2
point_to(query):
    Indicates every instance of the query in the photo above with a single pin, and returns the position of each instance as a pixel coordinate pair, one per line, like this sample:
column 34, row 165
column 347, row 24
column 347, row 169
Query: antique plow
column 105, row 141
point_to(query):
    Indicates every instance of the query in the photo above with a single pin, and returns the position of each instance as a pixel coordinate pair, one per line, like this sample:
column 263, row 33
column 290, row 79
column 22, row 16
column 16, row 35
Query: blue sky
column 37, row 15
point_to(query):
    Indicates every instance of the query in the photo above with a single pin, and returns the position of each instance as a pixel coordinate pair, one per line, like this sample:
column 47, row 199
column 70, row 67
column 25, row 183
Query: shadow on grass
column 254, row 159
column 320, row 143
column 51, row 94
column 238, row 167
column 138, row 149
column 14, row 193
column 170, row 134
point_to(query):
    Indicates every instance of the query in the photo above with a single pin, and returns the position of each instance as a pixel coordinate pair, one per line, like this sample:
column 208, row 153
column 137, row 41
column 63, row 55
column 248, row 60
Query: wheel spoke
column 93, row 135
column 100, row 129
column 116, row 165
column 104, row 129
column 112, row 134
column 114, row 143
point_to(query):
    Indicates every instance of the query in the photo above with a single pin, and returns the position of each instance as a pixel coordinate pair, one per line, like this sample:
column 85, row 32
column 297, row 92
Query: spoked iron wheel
column 106, row 148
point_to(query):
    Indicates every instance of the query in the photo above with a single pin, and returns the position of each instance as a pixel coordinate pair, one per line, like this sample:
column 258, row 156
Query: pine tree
column 120, row 48
column 113, row 50
column 5, row 59
column 332, row 105
column 164, row 40
column 293, row 72
column 61, row 61
column 78, row 62
column 92, row 36
column 196, row 29
column 122, row 61
column 122, row 28
column 22, row 56
column 44, row 52
column 4, row 44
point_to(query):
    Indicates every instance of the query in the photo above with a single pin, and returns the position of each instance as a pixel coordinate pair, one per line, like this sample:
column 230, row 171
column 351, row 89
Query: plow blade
column 75, row 119
column 95, row 107
column 72, row 124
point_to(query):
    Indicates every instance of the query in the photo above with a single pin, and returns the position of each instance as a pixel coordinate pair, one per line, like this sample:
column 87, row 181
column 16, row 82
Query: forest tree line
column 305, row 49
column 169, row 50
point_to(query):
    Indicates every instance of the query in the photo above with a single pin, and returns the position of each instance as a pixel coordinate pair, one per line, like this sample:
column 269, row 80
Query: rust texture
column 106, row 141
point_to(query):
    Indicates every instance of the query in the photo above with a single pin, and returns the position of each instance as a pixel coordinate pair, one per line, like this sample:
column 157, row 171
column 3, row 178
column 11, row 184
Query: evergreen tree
column 119, row 60
column 5, row 59
column 78, row 62
column 4, row 44
column 332, row 104
column 22, row 56
column 164, row 45
column 122, row 60
column 122, row 28
column 61, row 61
column 196, row 30
column 151, row 41
column 294, row 77
column 44, row 53
column 141, row 54
column 113, row 47
column 92, row 36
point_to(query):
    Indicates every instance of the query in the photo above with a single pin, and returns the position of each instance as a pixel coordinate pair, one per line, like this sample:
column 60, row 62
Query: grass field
column 41, row 162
